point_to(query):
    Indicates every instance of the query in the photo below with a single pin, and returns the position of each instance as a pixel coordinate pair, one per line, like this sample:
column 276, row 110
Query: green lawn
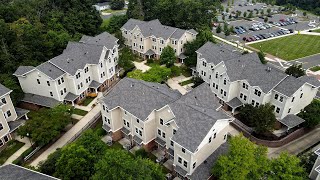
column 317, row 30
column 87, row 101
column 79, row 112
column 11, row 148
column 290, row 47
column 186, row 82
column 113, row 11
column 315, row 68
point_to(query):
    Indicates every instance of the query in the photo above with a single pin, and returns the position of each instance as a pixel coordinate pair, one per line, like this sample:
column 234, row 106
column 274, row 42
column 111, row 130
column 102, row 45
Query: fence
column 89, row 124
column 32, row 153
column 276, row 143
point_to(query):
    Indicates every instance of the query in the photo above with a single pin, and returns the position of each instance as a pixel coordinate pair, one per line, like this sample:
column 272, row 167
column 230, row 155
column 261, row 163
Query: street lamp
column 28, row 136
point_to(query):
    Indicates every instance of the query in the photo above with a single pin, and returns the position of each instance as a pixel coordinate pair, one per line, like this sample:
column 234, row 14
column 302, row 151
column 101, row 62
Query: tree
column 262, row 12
column 244, row 160
column 304, row 13
column 109, row 167
column 288, row 165
column 126, row 59
column 311, row 114
column 49, row 165
column 262, row 57
column 227, row 10
column 245, row 14
column 75, row 162
column 230, row 16
column 115, row 23
column 155, row 74
column 262, row 118
column 117, row 4
column 231, row 29
column 46, row 124
column 265, row 19
column 223, row 17
column 250, row 15
column 268, row 10
column 168, row 56
column 295, row 70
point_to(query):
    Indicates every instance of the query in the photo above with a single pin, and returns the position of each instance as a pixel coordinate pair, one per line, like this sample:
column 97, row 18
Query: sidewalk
column 67, row 136
column 141, row 66
column 26, row 146
column 173, row 83
column 297, row 146
column 89, row 106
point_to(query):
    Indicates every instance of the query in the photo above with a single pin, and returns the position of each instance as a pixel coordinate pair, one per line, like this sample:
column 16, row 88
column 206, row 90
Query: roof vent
column 68, row 60
column 268, row 69
column 131, row 85
column 205, row 162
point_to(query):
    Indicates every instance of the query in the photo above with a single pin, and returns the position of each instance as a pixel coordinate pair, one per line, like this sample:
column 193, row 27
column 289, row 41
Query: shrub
column 150, row 61
column 142, row 153
column 175, row 71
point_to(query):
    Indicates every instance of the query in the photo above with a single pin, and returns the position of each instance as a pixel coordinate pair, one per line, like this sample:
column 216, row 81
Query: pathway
column 67, row 136
column 89, row 106
column 310, row 33
column 297, row 146
column 18, row 153
column 173, row 83
column 141, row 66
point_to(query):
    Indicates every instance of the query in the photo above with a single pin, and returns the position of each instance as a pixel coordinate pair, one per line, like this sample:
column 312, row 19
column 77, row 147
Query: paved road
column 67, row 136
column 308, row 62
column 297, row 146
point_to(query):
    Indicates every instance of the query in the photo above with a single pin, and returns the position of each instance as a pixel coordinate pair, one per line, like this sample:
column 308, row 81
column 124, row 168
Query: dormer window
column 276, row 96
column 217, row 74
column 225, row 82
column 183, row 150
column 161, row 121
column 3, row 100
column 174, row 131
column 257, row 92
column 154, row 39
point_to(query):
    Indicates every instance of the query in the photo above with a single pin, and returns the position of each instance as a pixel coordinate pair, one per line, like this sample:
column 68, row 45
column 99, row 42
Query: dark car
column 270, row 16
column 291, row 30
column 261, row 17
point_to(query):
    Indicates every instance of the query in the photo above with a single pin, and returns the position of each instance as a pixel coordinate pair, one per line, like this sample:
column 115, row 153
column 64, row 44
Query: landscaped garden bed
column 11, row 147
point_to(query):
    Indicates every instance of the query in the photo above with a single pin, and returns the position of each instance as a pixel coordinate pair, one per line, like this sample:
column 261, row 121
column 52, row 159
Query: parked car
column 291, row 30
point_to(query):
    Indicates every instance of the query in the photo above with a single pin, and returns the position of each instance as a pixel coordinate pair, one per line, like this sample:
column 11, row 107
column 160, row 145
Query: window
column 3, row 100
column 281, row 99
column 8, row 113
column 59, row 82
column 194, row 165
column 1, row 143
column 38, row 80
column 48, row 83
column 204, row 64
column 289, row 110
column 125, row 112
column 221, row 91
column 154, row 39
column 78, row 86
column 301, row 95
column 225, row 137
column 257, row 104
column 62, row 80
column 292, row 99
column 185, row 163
column 137, row 130
column 217, row 75
column 225, row 93
column 214, row 135
column 244, row 85
column 108, row 121
column 210, row 139
column 1, row 126
column 103, row 107
column 225, row 82
column 161, row 121
column 277, row 110
column 128, row 124
column 241, row 95
column 257, row 92
column 6, row 139
column 124, row 122
column 161, row 41
column 51, row 94
column 160, row 49
column 81, row 84
column 213, row 84
column 65, row 90
column 252, row 103
column 61, row 92
column 217, row 87
column 183, row 150
column 163, row 134
column 101, row 64
column 174, row 131
column 171, row 143
column 179, row 160
column 140, row 132
column 140, row 39
column 276, row 96
column 245, row 97
column 137, row 120
column 159, row 132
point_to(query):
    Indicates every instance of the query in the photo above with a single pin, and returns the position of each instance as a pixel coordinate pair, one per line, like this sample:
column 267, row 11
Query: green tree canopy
column 109, row 167
column 295, row 70
column 262, row 118
column 311, row 114
column 46, row 124
column 126, row 59
column 155, row 74
column 168, row 56
column 117, row 4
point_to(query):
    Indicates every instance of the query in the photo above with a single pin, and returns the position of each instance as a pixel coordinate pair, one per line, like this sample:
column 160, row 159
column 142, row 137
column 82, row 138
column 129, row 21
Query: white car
column 285, row 31
column 312, row 25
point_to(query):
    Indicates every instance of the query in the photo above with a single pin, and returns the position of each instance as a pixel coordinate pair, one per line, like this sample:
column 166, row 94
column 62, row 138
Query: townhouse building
column 83, row 69
column 190, row 129
column 238, row 79
column 315, row 172
column 10, row 117
column 148, row 38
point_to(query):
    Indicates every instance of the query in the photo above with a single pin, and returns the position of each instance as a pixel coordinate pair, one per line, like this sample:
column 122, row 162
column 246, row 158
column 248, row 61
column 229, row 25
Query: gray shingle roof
column 13, row 125
column 149, row 52
column 291, row 120
column 77, row 56
column 50, row 70
column 155, row 28
column 234, row 103
column 40, row 100
column 138, row 97
column 3, row 90
column 14, row 172
column 22, row 70
column 137, row 139
column 125, row 131
column 248, row 67
column 195, row 114
column 103, row 39
column 215, row 53
column 203, row 171
column 21, row 112
column 160, row 141
column 317, row 152
column 71, row 97
column 95, row 84
column 311, row 80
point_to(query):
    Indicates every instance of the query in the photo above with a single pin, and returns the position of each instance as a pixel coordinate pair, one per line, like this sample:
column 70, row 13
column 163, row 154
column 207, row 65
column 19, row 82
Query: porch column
column 26, row 116
column 232, row 111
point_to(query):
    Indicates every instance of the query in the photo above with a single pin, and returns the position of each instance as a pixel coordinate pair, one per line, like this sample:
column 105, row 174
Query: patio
column 169, row 164
column 134, row 149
